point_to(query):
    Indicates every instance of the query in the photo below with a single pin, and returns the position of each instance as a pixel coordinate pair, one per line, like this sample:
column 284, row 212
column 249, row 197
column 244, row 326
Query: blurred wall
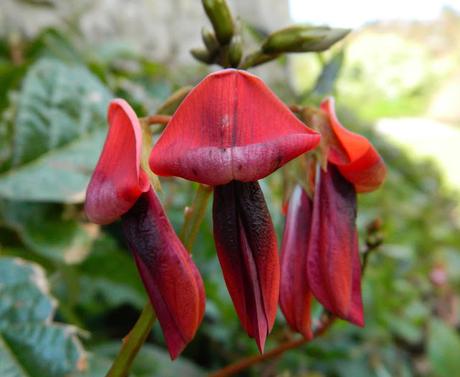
column 164, row 29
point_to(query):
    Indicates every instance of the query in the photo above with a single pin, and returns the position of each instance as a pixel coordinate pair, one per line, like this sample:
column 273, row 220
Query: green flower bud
column 235, row 51
column 219, row 14
column 209, row 40
column 202, row 55
column 302, row 39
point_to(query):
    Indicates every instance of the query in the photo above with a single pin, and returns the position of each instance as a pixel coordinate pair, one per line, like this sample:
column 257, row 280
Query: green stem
column 135, row 339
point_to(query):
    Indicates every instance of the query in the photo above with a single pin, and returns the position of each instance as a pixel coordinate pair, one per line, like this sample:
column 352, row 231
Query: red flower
column 322, row 237
column 354, row 156
column 230, row 131
column 231, row 126
column 334, row 268
column 120, row 188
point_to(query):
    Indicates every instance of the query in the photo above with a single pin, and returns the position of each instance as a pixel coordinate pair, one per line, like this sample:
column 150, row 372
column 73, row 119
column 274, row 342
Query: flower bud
column 221, row 19
column 302, row 39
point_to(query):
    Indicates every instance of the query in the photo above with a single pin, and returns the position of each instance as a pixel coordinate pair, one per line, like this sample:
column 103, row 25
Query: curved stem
column 139, row 333
column 242, row 364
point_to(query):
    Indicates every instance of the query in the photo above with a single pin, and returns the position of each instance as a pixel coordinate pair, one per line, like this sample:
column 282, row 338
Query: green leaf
column 43, row 228
column 109, row 275
column 443, row 348
column 31, row 345
column 58, row 134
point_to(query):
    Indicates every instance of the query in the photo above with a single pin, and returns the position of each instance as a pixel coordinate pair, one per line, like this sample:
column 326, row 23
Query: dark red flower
column 230, row 131
column 295, row 293
column 171, row 278
column 247, row 250
column 334, row 267
column 324, row 234
column 120, row 188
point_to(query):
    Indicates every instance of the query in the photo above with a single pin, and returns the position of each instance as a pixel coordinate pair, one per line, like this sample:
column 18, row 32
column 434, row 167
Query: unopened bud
column 303, row 39
column 202, row 55
column 209, row 40
column 235, row 51
column 221, row 19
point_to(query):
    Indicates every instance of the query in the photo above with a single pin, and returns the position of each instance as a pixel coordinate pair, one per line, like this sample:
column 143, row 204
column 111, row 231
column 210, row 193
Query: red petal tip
column 355, row 157
column 117, row 180
column 231, row 126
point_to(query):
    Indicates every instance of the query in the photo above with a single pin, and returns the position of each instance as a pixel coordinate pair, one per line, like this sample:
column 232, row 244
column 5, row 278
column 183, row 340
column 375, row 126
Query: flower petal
column 247, row 250
column 169, row 275
column 295, row 294
column 230, row 127
column 354, row 155
column 334, row 271
column 117, row 180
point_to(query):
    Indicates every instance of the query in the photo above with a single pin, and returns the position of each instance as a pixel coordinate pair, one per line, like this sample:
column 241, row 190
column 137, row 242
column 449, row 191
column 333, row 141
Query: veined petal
column 117, row 180
column 170, row 277
column 231, row 126
column 295, row 294
column 355, row 157
column 247, row 250
column 334, row 271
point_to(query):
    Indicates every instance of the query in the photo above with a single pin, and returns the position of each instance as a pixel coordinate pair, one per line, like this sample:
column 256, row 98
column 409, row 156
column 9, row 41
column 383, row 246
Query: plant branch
column 139, row 333
column 156, row 119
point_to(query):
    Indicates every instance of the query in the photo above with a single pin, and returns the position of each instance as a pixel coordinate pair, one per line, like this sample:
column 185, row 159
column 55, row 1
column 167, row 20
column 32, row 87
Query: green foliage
column 30, row 343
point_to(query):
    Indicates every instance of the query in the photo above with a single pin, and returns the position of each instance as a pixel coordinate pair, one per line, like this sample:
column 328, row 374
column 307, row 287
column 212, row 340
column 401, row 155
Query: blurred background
column 69, row 290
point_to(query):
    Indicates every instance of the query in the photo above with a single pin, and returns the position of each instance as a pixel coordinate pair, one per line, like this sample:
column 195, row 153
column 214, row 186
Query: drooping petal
column 247, row 250
column 354, row 155
column 295, row 294
column 117, row 180
column 170, row 277
column 334, row 271
column 231, row 126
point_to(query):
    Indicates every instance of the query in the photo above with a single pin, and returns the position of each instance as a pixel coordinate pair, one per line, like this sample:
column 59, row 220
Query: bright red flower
column 230, row 131
column 354, row 156
column 171, row 278
column 120, row 188
column 295, row 293
column 118, row 180
column 231, row 126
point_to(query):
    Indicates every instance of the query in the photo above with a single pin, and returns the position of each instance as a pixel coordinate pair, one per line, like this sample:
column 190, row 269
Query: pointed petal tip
column 363, row 166
column 260, row 341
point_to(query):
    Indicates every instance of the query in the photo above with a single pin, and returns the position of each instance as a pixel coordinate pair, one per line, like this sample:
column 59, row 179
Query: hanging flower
column 120, row 188
column 229, row 132
column 322, row 235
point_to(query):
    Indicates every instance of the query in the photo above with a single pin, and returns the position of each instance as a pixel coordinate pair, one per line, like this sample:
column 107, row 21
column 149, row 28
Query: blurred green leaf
column 44, row 229
column 58, row 133
column 326, row 81
column 443, row 349
column 31, row 345
column 153, row 361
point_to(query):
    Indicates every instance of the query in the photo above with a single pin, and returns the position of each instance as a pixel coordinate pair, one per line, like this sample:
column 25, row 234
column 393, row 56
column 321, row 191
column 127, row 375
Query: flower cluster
column 229, row 132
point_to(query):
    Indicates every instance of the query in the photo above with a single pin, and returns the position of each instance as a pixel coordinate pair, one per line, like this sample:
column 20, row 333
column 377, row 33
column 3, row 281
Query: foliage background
column 69, row 290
